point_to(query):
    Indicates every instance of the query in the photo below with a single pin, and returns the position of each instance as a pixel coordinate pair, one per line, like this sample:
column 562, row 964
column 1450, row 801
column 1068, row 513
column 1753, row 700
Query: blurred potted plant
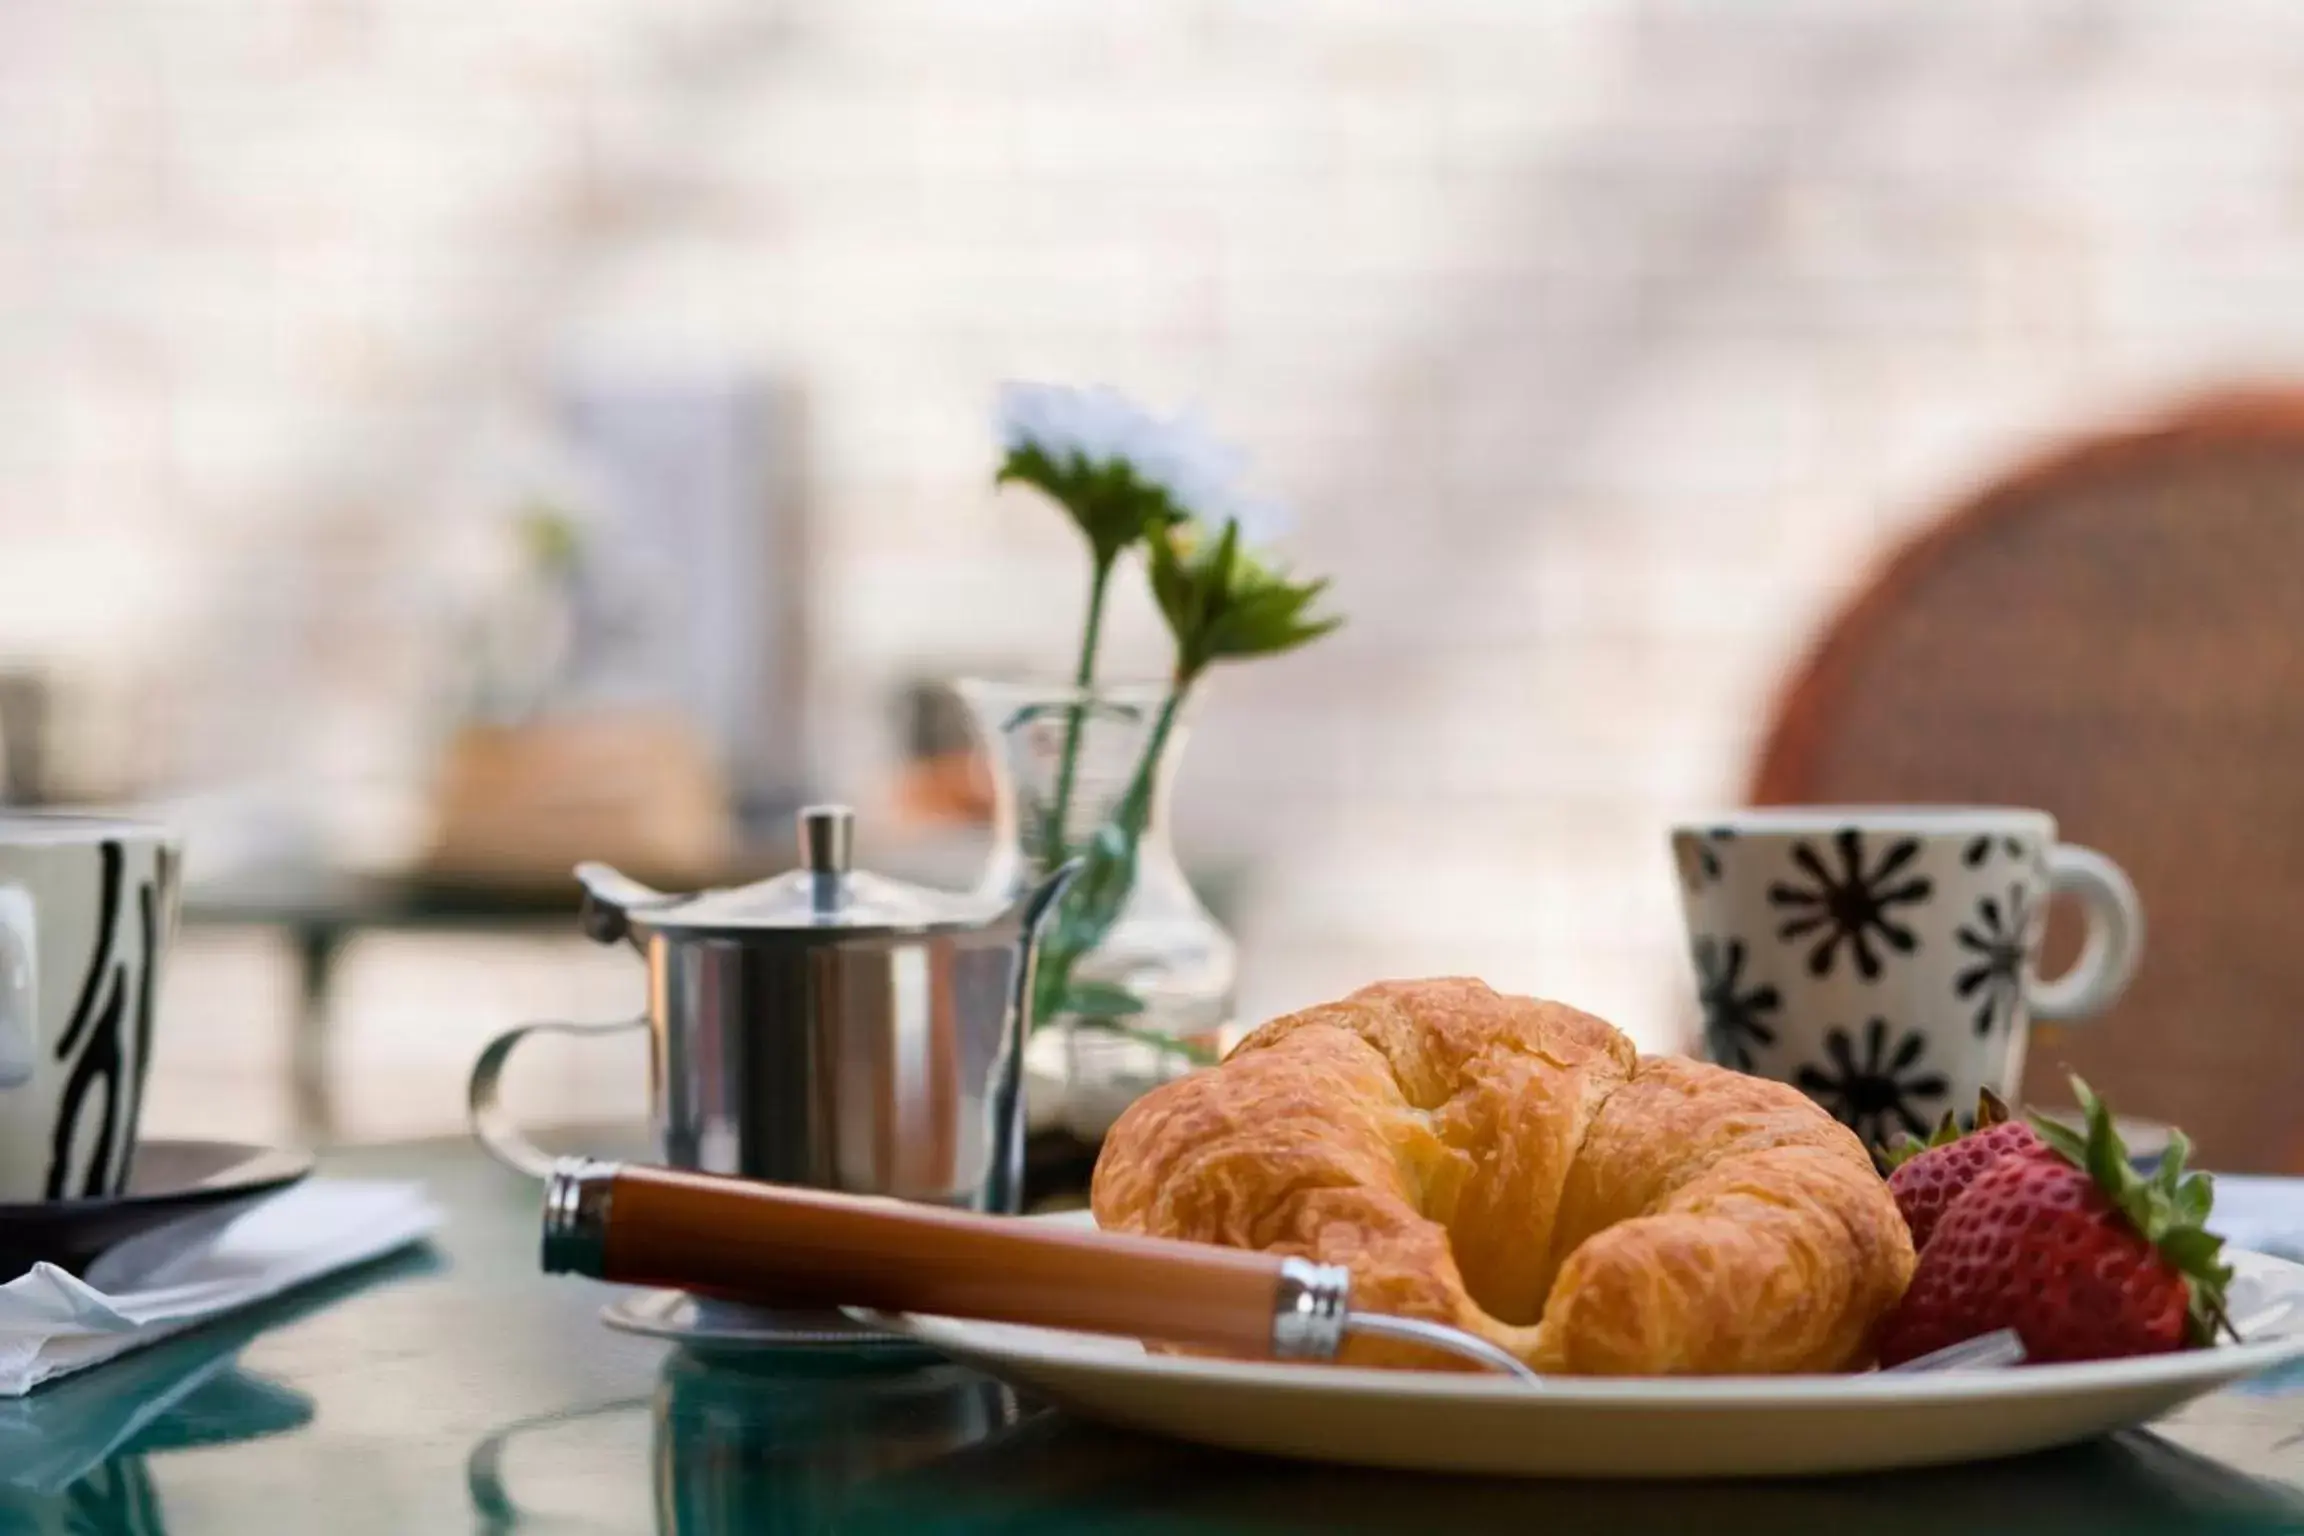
column 552, row 756
column 1135, row 976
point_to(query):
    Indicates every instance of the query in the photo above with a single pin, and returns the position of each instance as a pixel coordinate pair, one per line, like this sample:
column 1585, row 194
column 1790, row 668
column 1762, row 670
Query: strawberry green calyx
column 1990, row 1111
column 2170, row 1208
column 1892, row 1157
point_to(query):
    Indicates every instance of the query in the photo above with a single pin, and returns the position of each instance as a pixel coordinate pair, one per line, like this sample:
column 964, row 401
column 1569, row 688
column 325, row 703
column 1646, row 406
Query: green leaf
column 1896, row 1155
column 1216, row 592
column 1101, row 1000
column 2107, row 1167
column 1263, row 619
column 1299, row 635
column 2167, row 1178
column 2194, row 1198
column 1221, row 604
column 2107, row 1160
column 2064, row 1140
column 2153, row 1205
column 2192, row 1249
column 1113, row 505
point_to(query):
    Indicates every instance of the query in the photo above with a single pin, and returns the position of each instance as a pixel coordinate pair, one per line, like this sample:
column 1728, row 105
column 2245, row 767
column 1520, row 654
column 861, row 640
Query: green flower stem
column 1136, row 806
column 1083, row 677
column 1088, row 910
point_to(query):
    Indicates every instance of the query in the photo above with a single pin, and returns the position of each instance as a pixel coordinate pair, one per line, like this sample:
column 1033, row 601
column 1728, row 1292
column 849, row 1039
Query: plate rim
column 1031, row 1345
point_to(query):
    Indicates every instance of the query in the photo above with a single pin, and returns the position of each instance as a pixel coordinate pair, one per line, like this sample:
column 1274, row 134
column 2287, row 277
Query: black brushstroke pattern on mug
column 1879, row 1090
column 1736, row 1020
column 2000, row 938
column 99, row 1063
column 97, row 1029
column 148, row 918
column 1852, row 906
column 107, row 913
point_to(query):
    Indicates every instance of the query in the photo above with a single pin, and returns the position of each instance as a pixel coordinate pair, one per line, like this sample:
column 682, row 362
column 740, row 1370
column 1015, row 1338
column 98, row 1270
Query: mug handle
column 19, row 987
column 2115, row 935
column 491, row 1122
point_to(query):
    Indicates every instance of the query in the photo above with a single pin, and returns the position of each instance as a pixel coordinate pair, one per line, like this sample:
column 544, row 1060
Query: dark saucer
column 170, row 1182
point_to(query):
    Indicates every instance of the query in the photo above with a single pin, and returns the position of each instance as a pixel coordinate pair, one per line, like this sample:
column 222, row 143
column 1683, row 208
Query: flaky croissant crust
column 1515, row 1168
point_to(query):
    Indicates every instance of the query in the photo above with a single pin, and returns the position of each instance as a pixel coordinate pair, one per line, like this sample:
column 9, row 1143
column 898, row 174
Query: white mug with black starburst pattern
column 1882, row 958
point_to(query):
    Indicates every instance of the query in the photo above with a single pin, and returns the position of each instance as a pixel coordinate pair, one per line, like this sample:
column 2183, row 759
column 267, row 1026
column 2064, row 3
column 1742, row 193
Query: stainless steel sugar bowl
column 829, row 1027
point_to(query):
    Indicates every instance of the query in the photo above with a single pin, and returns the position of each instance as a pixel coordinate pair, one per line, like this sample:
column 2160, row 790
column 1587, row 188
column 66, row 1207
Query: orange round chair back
column 2115, row 633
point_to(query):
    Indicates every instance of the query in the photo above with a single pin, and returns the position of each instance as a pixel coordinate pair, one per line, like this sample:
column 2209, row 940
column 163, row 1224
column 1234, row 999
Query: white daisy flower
column 1096, row 425
column 1198, row 471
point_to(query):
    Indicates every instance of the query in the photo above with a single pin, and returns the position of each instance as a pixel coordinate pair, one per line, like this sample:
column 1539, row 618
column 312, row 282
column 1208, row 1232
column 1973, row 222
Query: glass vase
column 1150, row 998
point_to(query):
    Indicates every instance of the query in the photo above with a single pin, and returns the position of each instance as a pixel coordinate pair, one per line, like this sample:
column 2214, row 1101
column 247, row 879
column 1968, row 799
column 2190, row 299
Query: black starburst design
column 1998, row 938
column 1734, row 1020
column 1980, row 848
column 1881, row 1094
column 1851, row 906
column 1699, row 855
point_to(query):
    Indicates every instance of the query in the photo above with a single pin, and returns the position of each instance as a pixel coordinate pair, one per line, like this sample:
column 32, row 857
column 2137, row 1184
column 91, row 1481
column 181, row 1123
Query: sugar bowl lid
column 825, row 896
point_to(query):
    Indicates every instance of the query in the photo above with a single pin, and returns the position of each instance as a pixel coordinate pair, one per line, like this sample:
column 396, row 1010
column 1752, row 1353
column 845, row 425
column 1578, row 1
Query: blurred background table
column 319, row 912
column 461, row 1389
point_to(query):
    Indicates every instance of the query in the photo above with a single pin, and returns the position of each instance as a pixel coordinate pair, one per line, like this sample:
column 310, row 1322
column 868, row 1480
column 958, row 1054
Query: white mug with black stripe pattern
column 87, row 909
column 1884, row 959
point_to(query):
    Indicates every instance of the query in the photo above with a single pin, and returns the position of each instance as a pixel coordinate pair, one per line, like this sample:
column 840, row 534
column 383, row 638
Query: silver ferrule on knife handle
column 576, row 1199
column 1308, row 1313
column 1312, row 1316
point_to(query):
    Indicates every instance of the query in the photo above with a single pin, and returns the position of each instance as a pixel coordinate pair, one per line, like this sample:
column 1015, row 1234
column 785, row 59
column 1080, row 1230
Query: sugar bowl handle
column 491, row 1122
column 19, row 987
column 611, row 897
column 742, row 1238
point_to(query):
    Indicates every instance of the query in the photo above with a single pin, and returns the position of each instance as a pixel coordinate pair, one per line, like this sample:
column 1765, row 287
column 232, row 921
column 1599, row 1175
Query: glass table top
column 459, row 1389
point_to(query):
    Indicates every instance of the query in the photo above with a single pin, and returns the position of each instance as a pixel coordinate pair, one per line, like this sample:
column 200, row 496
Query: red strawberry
column 1928, row 1177
column 2084, row 1257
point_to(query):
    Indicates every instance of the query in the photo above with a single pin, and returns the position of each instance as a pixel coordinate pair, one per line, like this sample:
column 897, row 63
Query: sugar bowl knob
column 827, row 839
column 827, row 852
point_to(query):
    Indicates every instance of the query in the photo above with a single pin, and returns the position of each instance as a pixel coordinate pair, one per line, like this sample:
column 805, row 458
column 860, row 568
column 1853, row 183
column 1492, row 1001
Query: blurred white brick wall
column 1597, row 344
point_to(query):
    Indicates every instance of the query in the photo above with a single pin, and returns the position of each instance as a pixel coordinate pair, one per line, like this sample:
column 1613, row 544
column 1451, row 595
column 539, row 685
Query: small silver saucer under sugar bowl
column 711, row 1328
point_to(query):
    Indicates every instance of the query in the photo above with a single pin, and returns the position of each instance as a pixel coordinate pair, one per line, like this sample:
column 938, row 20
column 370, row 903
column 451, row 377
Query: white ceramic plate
column 1589, row 1427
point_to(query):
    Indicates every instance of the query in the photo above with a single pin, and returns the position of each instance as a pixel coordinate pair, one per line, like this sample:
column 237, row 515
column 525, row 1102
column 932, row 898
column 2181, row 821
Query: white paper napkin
column 52, row 1324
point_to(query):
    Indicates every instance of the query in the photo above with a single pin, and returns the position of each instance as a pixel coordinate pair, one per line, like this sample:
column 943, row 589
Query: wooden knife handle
column 742, row 1238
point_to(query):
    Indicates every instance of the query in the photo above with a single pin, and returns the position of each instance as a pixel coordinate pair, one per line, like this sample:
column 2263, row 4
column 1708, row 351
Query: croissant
column 1517, row 1169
